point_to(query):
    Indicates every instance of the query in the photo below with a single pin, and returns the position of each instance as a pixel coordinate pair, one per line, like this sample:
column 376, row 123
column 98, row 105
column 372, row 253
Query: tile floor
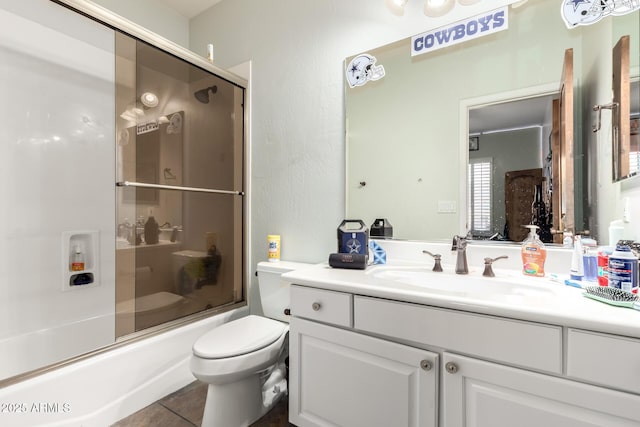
column 184, row 408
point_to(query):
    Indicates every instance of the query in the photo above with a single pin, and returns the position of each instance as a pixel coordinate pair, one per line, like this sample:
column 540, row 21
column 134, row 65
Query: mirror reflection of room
column 510, row 168
column 428, row 144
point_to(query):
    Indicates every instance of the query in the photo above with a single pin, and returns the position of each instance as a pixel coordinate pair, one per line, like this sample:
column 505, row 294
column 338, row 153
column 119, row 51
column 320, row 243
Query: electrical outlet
column 446, row 206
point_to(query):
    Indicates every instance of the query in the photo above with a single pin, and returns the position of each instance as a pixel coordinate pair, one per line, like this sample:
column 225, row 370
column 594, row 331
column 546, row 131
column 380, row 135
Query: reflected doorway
column 511, row 135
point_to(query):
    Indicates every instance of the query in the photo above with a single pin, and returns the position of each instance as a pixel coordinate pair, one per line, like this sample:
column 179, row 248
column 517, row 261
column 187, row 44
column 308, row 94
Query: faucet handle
column 437, row 257
column 488, row 270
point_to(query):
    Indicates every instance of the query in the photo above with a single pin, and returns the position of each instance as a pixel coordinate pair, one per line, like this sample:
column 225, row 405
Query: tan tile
column 188, row 402
column 154, row 415
column 184, row 408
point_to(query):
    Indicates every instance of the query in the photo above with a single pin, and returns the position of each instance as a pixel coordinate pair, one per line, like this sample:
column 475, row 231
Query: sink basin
column 473, row 285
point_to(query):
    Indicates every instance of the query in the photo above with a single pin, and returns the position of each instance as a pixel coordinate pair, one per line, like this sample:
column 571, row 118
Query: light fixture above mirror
column 396, row 6
column 432, row 8
column 436, row 8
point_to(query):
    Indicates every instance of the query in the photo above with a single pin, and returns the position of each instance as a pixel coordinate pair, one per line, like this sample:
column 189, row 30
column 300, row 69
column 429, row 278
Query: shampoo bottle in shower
column 533, row 254
column 77, row 259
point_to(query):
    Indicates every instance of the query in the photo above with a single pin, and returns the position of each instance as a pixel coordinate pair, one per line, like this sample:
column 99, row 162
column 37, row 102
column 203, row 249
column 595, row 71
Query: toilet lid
column 238, row 337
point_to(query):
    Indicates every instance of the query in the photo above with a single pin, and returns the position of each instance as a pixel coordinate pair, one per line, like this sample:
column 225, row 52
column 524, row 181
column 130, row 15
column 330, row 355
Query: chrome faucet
column 460, row 246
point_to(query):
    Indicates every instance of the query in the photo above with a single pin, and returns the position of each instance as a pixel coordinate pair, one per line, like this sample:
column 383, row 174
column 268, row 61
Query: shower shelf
column 88, row 277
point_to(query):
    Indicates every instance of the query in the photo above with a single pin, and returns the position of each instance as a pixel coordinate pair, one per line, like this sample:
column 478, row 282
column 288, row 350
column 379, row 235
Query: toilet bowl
column 244, row 361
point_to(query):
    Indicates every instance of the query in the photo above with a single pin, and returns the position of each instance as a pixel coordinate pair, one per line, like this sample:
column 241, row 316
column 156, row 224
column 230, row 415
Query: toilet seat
column 238, row 337
column 222, row 370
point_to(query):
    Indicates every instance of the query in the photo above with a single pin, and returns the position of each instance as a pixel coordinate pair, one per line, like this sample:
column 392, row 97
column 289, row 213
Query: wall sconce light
column 149, row 99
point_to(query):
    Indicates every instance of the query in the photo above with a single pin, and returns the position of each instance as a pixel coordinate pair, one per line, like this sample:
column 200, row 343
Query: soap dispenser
column 577, row 260
column 533, row 253
column 151, row 231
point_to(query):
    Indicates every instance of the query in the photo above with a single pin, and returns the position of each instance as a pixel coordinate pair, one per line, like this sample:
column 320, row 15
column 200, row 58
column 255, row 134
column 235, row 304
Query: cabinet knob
column 315, row 306
column 426, row 365
column 451, row 367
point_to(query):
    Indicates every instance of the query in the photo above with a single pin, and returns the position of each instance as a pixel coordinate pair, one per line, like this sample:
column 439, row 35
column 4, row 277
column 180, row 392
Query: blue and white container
column 590, row 261
column 353, row 237
column 623, row 269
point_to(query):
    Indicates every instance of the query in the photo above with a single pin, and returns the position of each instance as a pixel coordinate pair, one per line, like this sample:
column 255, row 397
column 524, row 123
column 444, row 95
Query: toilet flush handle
column 287, row 312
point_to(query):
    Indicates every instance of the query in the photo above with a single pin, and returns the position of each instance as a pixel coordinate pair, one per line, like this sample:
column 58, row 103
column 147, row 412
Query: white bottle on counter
column 616, row 230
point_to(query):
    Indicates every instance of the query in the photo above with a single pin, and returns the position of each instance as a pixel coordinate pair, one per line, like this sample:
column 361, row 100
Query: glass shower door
column 180, row 188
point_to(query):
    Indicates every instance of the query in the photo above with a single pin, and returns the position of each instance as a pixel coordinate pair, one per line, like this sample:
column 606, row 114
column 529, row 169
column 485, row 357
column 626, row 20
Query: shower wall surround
column 74, row 126
column 57, row 173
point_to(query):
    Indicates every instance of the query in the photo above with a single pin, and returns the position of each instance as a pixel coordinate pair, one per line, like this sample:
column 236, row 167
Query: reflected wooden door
column 562, row 206
column 621, row 113
column 519, row 192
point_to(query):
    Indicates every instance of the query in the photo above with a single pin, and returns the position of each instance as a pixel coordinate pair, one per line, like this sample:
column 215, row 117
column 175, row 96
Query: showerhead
column 202, row 95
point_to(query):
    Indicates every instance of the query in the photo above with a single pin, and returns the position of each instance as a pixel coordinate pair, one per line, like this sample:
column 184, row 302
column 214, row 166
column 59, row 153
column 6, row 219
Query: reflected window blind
column 479, row 195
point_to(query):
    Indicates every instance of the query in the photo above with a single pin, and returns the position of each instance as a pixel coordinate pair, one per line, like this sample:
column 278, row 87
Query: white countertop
column 537, row 299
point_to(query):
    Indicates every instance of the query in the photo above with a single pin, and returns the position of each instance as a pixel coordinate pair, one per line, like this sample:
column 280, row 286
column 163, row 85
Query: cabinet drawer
column 532, row 345
column 609, row 360
column 324, row 306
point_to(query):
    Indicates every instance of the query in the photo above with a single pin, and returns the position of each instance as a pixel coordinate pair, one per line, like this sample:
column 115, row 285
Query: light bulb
column 396, row 6
column 436, row 8
column 149, row 99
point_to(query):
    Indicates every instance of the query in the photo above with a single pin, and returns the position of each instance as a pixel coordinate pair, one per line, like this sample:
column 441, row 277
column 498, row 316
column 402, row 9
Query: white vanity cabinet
column 483, row 394
column 341, row 378
column 360, row 365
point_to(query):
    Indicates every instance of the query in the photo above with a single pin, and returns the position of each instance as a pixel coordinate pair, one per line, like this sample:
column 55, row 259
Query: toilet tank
column 274, row 292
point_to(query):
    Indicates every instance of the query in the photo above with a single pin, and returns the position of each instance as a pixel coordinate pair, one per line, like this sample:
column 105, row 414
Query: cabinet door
column 483, row 394
column 341, row 378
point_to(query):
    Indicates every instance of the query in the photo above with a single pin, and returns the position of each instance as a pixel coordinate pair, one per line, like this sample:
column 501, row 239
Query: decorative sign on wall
column 363, row 68
column 587, row 12
column 461, row 31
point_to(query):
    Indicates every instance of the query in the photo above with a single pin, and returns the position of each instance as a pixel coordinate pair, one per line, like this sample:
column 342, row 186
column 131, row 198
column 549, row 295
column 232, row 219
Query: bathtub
column 102, row 389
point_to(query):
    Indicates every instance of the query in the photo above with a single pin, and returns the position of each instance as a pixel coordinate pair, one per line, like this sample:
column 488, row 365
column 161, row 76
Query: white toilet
column 243, row 361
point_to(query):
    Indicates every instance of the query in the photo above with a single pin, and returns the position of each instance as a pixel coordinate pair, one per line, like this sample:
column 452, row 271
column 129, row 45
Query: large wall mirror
column 416, row 136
